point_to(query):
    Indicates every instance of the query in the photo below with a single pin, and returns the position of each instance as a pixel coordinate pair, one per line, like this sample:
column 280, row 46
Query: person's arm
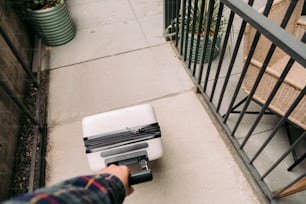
column 109, row 186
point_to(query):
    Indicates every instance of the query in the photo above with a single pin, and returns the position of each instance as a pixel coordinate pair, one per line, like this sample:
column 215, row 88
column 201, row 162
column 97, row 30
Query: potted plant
column 51, row 21
column 199, row 28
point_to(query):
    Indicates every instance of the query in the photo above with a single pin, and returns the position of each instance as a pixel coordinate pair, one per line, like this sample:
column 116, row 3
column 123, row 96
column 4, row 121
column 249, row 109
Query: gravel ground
column 30, row 144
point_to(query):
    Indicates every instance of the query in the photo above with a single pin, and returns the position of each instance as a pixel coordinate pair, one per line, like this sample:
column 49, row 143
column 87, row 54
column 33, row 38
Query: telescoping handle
column 140, row 177
column 144, row 175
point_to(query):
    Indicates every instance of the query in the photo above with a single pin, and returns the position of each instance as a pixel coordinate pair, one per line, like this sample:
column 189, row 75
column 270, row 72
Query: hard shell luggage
column 124, row 136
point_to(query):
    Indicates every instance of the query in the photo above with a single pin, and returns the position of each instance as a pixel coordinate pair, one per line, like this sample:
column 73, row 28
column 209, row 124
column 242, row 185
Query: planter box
column 201, row 46
column 53, row 25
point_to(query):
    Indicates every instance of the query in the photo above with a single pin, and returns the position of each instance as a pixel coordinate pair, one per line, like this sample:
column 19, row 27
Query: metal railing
column 221, row 63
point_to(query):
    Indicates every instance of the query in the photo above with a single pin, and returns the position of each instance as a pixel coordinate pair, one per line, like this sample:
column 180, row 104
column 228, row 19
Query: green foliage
column 40, row 4
column 196, row 9
column 194, row 20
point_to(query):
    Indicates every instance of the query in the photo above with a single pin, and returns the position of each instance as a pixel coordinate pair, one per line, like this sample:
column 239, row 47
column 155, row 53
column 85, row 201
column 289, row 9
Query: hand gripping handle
column 144, row 175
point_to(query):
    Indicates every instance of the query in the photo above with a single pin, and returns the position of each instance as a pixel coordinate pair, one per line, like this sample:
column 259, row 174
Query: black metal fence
column 249, row 65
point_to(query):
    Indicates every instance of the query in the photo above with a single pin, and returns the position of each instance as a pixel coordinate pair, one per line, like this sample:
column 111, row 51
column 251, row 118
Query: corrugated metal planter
column 53, row 25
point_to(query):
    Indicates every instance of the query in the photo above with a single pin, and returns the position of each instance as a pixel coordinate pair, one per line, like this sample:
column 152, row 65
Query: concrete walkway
column 117, row 59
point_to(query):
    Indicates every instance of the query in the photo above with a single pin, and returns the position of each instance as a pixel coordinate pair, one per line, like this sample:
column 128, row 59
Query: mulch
column 30, row 143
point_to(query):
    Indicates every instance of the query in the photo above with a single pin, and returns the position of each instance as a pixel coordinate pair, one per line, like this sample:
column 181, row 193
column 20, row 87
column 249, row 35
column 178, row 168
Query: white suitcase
column 123, row 136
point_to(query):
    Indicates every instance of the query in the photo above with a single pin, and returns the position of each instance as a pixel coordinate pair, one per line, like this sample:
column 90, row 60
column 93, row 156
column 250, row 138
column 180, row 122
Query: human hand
column 122, row 172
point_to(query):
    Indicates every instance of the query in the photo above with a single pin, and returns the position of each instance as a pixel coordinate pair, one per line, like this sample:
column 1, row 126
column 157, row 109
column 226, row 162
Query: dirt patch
column 30, row 151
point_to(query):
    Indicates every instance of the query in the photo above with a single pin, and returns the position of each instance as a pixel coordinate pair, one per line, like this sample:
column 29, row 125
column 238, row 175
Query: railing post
column 171, row 9
column 255, row 79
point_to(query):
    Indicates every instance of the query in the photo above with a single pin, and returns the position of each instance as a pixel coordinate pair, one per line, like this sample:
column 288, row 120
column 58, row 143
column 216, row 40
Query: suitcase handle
column 144, row 175
column 140, row 177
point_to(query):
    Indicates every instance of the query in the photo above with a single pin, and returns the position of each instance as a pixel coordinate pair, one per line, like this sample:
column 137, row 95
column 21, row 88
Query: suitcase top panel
column 118, row 119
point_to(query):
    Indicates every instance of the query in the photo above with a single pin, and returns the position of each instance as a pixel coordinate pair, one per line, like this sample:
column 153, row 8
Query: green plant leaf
column 41, row 4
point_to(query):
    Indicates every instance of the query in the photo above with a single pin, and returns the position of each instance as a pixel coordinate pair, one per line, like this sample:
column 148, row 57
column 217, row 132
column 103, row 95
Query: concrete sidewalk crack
column 78, row 118
column 107, row 56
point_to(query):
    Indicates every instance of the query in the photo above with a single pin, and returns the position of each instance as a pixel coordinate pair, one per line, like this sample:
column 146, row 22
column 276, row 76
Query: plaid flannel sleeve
column 104, row 188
